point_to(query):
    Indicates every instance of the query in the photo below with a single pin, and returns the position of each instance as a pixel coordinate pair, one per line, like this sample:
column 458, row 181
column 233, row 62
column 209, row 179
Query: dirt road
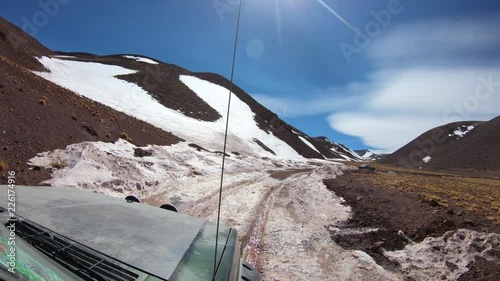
column 281, row 216
column 247, row 198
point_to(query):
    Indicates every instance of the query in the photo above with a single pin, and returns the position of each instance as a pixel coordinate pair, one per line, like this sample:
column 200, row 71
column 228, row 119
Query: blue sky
column 369, row 74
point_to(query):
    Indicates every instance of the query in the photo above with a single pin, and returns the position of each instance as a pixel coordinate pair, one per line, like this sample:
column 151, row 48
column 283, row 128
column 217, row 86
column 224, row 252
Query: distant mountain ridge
column 367, row 154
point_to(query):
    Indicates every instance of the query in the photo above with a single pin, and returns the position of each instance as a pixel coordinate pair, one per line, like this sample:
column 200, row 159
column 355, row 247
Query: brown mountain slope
column 20, row 47
column 37, row 115
column 270, row 122
column 478, row 149
column 161, row 80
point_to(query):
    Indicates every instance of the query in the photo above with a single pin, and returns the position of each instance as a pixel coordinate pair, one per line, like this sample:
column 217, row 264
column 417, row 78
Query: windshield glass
column 197, row 263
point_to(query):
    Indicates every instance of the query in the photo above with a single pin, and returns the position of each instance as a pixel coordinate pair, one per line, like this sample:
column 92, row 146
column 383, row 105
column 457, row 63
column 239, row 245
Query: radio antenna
column 225, row 137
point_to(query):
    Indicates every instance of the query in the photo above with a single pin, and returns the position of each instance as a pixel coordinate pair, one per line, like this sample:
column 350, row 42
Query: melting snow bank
column 446, row 257
column 112, row 168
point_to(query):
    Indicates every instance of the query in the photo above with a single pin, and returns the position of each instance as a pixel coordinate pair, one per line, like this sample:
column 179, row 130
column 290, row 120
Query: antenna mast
column 225, row 137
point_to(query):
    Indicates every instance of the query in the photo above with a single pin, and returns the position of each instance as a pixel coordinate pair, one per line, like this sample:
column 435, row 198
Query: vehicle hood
column 148, row 238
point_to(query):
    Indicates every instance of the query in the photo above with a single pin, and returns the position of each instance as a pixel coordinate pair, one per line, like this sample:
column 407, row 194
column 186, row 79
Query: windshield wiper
column 44, row 243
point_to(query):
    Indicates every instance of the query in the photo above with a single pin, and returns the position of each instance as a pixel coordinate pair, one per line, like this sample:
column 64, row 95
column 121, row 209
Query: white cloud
column 432, row 90
column 319, row 102
column 416, row 100
column 384, row 131
column 394, row 107
column 429, row 73
column 437, row 39
column 422, row 92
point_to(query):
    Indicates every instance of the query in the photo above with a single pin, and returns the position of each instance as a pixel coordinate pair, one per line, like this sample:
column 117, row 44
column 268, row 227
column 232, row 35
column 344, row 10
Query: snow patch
column 446, row 257
column 343, row 151
column 142, row 59
column 344, row 156
column 112, row 168
column 242, row 118
column 427, row 159
column 309, row 144
column 462, row 131
column 98, row 82
column 368, row 154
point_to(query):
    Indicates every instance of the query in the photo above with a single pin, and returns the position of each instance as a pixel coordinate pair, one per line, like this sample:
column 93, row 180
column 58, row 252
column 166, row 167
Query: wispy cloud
column 315, row 102
column 428, row 73
column 438, row 39
column 412, row 101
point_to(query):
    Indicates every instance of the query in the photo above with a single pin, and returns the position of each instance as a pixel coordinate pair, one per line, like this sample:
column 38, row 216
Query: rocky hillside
column 53, row 99
column 469, row 146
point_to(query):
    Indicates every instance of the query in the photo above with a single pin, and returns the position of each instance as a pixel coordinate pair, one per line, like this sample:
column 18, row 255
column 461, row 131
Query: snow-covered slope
column 308, row 144
column 331, row 149
column 98, row 82
column 367, row 154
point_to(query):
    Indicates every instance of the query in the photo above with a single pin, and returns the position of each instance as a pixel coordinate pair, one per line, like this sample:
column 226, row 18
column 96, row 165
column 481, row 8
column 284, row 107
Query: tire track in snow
column 245, row 205
column 204, row 207
column 296, row 245
column 251, row 242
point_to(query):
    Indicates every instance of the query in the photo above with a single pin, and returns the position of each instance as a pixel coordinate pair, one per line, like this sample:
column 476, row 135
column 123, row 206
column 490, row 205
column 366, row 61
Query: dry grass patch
column 58, row 165
column 3, row 166
column 125, row 136
column 471, row 194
